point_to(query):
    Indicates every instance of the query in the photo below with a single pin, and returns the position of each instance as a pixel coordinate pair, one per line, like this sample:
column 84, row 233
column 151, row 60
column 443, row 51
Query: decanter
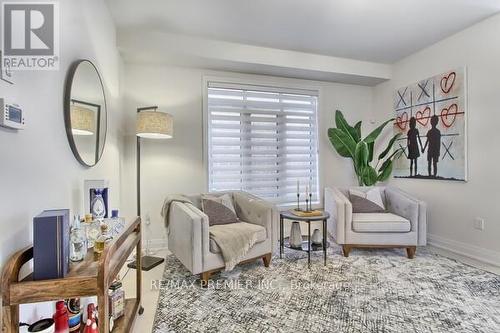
column 78, row 241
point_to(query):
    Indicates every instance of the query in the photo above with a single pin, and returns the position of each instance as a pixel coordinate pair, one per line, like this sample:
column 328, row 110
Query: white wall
column 37, row 168
column 176, row 165
column 453, row 206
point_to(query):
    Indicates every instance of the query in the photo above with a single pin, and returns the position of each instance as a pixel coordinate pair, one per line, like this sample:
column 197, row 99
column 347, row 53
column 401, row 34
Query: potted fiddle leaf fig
column 348, row 142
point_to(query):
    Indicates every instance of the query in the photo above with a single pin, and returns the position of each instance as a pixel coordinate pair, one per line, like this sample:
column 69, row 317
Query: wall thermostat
column 11, row 115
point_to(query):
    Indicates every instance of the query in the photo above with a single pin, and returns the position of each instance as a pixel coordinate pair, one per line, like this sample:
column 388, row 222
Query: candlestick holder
column 310, row 202
column 298, row 203
column 307, row 205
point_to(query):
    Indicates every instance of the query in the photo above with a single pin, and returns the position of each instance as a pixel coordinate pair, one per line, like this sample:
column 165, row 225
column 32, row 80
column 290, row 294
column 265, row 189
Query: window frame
column 279, row 85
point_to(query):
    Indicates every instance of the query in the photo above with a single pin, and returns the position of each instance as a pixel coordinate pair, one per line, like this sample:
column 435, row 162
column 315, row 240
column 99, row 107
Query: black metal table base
column 308, row 246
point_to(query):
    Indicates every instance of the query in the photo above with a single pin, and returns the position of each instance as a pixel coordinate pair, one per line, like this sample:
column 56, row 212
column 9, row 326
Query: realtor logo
column 30, row 35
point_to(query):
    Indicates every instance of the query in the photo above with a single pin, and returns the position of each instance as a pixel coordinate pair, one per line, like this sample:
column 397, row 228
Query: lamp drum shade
column 155, row 125
column 82, row 120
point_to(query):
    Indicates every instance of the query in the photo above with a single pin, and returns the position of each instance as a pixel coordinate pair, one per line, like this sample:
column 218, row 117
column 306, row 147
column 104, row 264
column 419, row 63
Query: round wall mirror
column 85, row 112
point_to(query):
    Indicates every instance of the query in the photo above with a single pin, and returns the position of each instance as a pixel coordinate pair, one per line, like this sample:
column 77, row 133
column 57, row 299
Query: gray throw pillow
column 218, row 213
column 363, row 205
column 224, row 199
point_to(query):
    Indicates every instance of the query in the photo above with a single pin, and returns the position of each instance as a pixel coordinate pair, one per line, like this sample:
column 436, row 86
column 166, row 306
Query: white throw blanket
column 165, row 210
column 234, row 241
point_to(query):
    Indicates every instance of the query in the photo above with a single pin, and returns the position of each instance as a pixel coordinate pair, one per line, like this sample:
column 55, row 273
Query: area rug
column 371, row 291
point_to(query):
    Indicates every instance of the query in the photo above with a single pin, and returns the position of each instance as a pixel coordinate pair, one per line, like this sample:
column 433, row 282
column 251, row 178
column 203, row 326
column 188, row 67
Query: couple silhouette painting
column 433, row 146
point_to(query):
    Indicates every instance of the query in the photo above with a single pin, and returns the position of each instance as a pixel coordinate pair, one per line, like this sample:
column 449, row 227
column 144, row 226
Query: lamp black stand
column 148, row 262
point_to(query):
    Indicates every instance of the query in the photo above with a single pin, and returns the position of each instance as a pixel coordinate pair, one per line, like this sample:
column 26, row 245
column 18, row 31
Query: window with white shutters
column 262, row 140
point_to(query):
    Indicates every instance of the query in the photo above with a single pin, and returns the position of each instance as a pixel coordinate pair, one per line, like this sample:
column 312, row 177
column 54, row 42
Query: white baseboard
column 464, row 249
column 156, row 244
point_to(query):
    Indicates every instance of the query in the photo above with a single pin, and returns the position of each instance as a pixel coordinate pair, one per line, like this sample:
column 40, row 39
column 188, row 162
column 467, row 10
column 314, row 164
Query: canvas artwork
column 431, row 116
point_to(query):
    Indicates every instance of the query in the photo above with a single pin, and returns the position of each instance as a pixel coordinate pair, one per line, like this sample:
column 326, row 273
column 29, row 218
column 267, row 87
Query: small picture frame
column 5, row 72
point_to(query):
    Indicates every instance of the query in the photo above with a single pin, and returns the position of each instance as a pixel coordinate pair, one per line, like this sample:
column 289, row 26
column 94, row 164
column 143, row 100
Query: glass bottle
column 78, row 241
column 116, row 296
column 97, row 205
column 91, row 325
column 101, row 240
column 61, row 317
column 92, row 230
column 115, row 223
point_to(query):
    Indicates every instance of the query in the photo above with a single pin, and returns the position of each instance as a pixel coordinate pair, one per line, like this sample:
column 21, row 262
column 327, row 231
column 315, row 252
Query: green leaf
column 357, row 127
column 361, row 156
column 369, row 176
column 371, row 147
column 384, row 165
column 389, row 146
column 395, row 155
column 385, row 171
column 376, row 132
column 344, row 126
column 342, row 142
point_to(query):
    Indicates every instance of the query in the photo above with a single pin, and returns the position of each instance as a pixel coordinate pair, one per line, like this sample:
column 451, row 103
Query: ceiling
column 382, row 31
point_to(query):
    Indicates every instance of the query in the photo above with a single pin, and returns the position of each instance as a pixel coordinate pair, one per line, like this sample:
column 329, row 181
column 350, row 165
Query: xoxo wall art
column 431, row 117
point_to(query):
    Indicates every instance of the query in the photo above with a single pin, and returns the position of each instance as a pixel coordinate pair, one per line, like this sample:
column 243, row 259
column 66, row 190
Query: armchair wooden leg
column 410, row 251
column 267, row 259
column 204, row 277
column 346, row 249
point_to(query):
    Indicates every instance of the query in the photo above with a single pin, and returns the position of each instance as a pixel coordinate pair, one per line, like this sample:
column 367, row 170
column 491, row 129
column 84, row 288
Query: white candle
column 298, row 187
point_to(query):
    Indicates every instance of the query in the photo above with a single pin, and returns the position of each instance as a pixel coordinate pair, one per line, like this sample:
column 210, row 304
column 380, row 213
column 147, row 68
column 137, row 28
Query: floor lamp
column 151, row 124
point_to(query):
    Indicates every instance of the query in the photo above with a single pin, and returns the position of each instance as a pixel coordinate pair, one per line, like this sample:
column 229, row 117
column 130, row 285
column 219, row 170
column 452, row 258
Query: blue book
column 51, row 244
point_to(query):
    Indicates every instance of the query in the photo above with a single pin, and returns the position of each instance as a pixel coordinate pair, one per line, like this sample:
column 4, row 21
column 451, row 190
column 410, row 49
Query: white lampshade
column 82, row 120
column 155, row 125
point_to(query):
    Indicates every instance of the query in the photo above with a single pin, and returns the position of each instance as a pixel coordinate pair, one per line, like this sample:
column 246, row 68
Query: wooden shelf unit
column 89, row 277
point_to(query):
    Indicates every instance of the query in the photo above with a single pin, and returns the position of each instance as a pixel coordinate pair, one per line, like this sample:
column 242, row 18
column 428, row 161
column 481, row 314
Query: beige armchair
column 402, row 226
column 189, row 239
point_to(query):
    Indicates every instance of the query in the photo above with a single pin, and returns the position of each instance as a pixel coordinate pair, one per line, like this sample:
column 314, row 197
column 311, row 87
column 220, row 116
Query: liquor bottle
column 75, row 314
column 91, row 325
column 115, row 223
column 92, row 230
column 116, row 296
column 98, row 206
column 101, row 240
column 78, row 241
column 61, row 318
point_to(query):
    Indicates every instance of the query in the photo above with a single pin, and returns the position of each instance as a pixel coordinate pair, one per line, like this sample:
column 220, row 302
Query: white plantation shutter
column 262, row 140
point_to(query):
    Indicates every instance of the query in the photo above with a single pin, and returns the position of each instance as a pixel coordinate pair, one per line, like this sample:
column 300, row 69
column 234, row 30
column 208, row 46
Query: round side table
column 288, row 215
